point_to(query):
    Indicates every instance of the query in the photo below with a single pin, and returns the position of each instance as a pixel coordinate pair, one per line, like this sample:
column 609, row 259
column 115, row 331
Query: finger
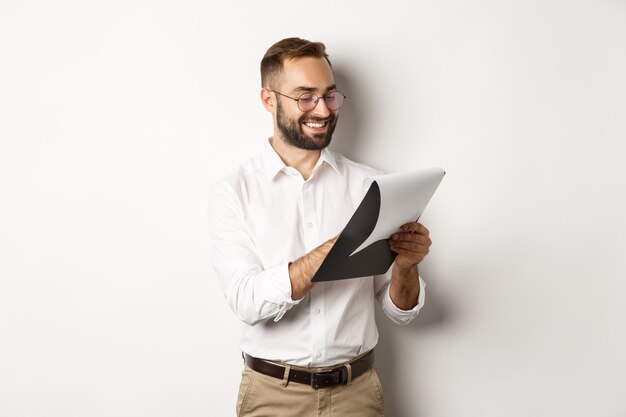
column 415, row 227
column 416, row 257
column 411, row 237
column 411, row 247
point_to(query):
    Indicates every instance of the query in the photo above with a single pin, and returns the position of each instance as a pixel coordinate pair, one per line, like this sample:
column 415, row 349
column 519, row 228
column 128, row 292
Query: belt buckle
column 316, row 384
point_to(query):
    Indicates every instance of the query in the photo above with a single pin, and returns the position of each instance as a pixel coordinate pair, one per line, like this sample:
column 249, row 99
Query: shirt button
column 318, row 355
column 318, row 311
column 309, row 225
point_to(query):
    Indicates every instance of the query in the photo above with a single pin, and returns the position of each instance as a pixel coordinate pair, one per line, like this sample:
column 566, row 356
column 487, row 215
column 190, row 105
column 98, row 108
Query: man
column 308, row 347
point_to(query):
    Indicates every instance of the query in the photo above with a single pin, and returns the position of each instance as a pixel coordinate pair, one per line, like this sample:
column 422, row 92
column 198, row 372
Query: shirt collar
column 272, row 164
column 328, row 157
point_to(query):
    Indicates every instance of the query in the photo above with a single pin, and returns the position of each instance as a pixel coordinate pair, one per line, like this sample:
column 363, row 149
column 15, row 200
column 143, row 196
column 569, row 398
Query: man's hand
column 412, row 245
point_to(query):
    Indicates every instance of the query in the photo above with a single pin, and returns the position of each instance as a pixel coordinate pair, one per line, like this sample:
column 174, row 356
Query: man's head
column 272, row 64
column 294, row 74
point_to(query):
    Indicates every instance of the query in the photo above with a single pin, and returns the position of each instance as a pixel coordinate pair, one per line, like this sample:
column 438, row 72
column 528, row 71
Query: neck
column 301, row 159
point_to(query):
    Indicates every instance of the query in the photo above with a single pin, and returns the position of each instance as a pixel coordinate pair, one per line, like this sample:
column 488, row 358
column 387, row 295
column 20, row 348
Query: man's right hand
column 301, row 271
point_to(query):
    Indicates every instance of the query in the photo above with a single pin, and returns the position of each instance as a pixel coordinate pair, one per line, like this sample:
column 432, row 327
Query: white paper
column 404, row 197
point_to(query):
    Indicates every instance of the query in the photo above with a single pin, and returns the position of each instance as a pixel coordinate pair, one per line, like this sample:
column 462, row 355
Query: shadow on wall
column 400, row 400
column 348, row 139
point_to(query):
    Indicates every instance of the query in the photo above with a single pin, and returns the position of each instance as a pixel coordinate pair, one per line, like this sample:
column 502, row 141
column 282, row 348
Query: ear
column 268, row 99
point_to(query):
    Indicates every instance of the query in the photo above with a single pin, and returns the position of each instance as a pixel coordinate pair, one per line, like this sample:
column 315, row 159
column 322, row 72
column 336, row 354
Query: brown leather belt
column 328, row 378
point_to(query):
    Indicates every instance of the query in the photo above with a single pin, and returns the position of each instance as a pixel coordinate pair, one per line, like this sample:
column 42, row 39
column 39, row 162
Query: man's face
column 294, row 133
column 311, row 130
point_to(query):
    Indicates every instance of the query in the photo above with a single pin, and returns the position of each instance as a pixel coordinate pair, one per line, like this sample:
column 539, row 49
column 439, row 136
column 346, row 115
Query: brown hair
column 289, row 48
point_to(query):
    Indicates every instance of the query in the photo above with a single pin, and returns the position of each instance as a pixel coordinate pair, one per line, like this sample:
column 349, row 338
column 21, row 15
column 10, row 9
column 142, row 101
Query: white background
column 115, row 118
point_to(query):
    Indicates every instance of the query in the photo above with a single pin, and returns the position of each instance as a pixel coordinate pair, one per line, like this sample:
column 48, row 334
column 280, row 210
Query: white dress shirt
column 265, row 216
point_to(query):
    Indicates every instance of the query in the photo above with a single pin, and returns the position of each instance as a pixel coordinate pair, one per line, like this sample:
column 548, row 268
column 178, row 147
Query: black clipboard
column 342, row 262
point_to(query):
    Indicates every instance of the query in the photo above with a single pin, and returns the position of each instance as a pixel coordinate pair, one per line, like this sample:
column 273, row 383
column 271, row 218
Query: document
column 392, row 200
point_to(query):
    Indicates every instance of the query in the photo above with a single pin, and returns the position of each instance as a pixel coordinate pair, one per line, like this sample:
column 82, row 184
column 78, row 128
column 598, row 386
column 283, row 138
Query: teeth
column 312, row 124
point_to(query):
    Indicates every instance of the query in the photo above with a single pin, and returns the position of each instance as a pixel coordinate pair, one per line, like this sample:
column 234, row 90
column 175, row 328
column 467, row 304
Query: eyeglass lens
column 308, row 101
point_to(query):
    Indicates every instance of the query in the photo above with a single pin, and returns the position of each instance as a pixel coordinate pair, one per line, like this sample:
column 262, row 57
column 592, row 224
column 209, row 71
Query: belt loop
column 349, row 368
column 286, row 376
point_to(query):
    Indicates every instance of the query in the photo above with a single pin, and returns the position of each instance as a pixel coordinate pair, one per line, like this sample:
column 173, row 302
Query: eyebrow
column 313, row 89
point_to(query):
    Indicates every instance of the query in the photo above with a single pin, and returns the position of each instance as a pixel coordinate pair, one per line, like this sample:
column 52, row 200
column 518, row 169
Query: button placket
column 316, row 295
column 308, row 217
column 318, row 325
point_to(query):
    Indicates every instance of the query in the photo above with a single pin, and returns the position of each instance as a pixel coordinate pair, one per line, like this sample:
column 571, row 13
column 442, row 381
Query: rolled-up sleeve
column 397, row 315
column 252, row 292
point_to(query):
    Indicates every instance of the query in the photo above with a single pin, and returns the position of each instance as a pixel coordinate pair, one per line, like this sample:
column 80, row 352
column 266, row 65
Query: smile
column 315, row 124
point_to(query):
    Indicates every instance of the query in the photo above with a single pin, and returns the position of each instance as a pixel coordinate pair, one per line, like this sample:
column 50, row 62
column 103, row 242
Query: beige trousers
column 263, row 396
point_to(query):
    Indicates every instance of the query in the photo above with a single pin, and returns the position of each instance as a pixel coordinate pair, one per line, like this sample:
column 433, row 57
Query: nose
column 321, row 109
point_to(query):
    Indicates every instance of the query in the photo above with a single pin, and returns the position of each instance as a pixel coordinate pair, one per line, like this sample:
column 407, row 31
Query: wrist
column 406, row 272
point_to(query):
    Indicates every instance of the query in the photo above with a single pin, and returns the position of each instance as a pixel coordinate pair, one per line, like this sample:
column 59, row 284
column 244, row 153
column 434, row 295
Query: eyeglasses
column 308, row 101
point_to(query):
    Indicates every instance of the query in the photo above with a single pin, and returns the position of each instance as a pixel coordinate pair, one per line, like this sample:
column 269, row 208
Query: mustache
column 330, row 118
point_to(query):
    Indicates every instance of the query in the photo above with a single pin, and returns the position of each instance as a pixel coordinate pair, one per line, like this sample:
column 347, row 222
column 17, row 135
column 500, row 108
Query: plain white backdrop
column 115, row 118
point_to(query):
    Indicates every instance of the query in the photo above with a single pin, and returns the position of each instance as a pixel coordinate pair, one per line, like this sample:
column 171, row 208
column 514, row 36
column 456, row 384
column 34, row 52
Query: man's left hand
column 412, row 244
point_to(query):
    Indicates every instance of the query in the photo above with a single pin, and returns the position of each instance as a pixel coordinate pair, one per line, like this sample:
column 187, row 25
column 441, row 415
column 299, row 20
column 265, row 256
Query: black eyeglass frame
column 317, row 99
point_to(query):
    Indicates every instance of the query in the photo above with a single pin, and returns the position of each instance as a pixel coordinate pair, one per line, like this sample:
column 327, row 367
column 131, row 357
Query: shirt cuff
column 403, row 316
column 279, row 292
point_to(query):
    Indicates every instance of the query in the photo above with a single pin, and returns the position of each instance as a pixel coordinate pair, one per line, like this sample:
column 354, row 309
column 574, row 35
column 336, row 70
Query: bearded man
column 308, row 347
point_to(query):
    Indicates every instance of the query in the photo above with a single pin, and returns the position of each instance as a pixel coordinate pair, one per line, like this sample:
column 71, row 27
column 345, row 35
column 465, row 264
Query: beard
column 294, row 135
